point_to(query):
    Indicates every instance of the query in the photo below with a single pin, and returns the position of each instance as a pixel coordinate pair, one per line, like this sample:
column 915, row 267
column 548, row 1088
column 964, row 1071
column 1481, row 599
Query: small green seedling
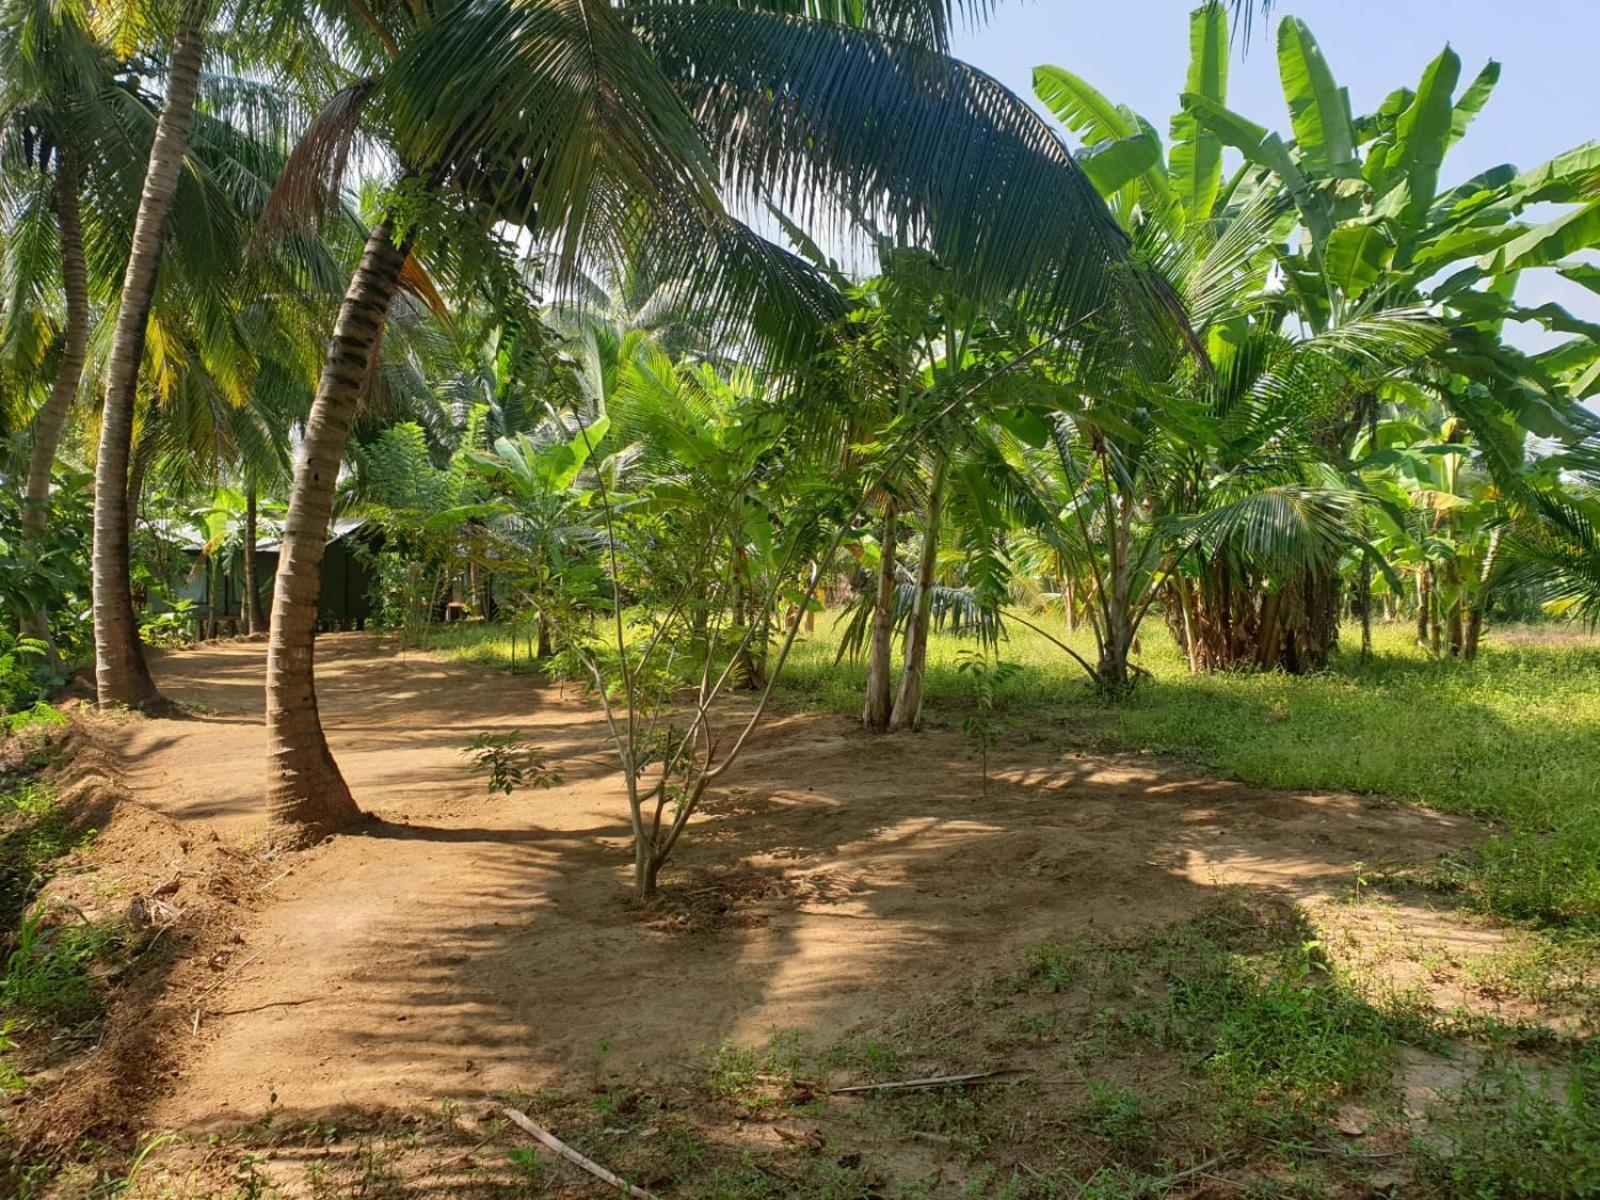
column 511, row 763
column 982, row 728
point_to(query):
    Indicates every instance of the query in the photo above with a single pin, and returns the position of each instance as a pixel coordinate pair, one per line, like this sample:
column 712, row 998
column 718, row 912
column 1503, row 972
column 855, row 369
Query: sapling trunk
column 908, row 704
column 880, row 667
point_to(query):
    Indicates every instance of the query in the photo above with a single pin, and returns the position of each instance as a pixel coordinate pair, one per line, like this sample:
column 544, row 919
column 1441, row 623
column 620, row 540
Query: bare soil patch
column 469, row 946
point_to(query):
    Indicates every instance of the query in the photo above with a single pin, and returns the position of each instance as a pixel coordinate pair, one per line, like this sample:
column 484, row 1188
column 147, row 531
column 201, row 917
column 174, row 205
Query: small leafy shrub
column 40, row 716
column 510, row 763
column 988, row 677
column 1054, row 967
column 20, row 685
column 171, row 629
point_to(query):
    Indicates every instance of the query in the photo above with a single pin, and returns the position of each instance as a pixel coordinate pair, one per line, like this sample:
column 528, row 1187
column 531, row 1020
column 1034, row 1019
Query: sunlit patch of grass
column 1543, row 966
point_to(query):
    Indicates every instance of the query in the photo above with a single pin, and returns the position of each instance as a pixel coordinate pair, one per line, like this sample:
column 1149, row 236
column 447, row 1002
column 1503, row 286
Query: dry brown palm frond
column 308, row 187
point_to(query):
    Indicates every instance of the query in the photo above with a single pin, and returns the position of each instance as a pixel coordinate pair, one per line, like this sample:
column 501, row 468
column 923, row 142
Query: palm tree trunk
column 121, row 675
column 307, row 797
column 1424, row 605
column 880, row 666
column 254, row 622
column 908, row 704
column 1474, row 633
column 50, row 420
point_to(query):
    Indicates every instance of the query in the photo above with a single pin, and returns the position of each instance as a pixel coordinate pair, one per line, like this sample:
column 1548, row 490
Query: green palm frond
column 1553, row 550
column 1282, row 529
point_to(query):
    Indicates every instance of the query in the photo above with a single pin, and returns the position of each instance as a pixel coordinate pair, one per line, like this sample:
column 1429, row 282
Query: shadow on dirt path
column 470, row 945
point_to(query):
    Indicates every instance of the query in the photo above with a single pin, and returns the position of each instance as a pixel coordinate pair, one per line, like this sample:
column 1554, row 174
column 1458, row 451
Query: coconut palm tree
column 627, row 131
column 54, row 79
column 121, row 676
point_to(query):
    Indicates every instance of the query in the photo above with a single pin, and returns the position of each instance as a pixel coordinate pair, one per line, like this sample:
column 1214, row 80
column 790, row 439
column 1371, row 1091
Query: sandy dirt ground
column 469, row 945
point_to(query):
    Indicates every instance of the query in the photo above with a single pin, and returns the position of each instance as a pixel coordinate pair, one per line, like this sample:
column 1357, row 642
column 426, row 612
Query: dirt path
column 473, row 945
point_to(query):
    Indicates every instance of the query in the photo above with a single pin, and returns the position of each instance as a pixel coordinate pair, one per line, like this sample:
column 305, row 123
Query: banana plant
column 1377, row 228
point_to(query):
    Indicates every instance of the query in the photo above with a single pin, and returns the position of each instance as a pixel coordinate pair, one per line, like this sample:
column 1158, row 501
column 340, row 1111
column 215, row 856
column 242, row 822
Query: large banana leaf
column 1548, row 243
column 1266, row 150
column 1319, row 110
column 1196, row 158
column 1473, row 99
column 1422, row 134
column 1358, row 253
column 1085, row 111
column 1566, row 178
column 1112, row 166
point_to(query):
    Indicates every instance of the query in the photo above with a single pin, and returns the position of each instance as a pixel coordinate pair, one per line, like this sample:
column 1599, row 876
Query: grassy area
column 49, row 964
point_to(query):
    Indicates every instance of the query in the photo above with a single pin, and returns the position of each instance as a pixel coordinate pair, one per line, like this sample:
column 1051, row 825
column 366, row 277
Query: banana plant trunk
column 880, row 665
column 307, row 797
column 51, row 419
column 121, row 676
column 908, row 704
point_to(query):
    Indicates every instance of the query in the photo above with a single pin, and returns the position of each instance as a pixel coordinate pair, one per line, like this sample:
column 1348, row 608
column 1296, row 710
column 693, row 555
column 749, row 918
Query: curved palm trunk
column 52, row 418
column 307, row 797
column 908, row 704
column 880, row 667
column 120, row 672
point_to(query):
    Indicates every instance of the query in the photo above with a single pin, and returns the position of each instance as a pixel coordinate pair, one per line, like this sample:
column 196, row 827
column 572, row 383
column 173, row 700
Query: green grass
column 34, row 832
column 1513, row 738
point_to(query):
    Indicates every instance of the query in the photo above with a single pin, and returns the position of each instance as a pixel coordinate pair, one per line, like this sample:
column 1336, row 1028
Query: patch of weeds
column 948, row 1112
column 34, row 832
column 1543, row 966
column 1053, row 967
column 880, row 1058
column 753, row 1079
column 47, row 977
column 1301, row 1182
column 533, row 1171
column 874, row 1058
column 1117, row 1113
column 250, row 1182
column 1551, row 876
column 11, row 1079
column 1506, row 1134
column 1118, row 1182
column 1277, row 1028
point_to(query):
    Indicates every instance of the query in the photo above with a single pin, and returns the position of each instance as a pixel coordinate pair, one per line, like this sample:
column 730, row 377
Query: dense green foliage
column 1216, row 444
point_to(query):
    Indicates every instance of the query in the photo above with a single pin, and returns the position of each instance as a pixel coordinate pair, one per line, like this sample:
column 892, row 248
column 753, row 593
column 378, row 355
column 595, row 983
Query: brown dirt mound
column 179, row 895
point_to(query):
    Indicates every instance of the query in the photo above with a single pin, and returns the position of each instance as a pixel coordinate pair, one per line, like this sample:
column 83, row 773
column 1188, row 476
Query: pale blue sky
column 1135, row 51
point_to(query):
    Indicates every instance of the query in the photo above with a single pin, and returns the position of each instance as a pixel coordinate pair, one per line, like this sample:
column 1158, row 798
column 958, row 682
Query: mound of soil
column 177, row 898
